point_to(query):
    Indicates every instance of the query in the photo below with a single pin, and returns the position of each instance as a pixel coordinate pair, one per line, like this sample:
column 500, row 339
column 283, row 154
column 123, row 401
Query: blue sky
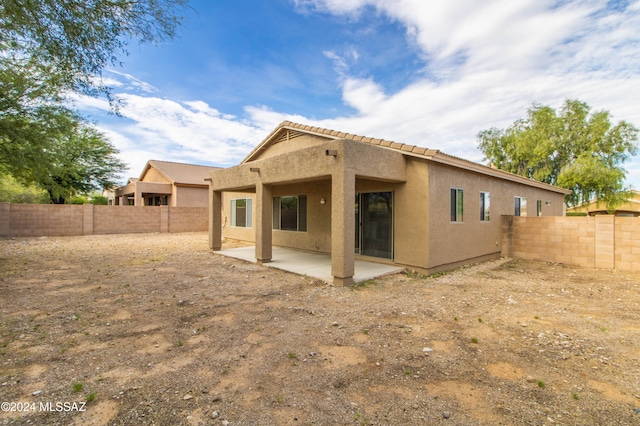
column 422, row 72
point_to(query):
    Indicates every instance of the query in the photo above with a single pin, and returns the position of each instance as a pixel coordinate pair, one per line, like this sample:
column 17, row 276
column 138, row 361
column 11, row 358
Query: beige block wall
column 69, row 220
column 124, row 220
column 35, row 220
column 627, row 243
column 188, row 219
column 593, row 242
column 567, row 240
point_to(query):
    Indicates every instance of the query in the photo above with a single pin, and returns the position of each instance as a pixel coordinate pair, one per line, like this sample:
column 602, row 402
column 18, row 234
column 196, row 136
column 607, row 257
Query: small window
column 290, row 213
column 539, row 207
column 241, row 212
column 485, row 204
column 520, row 206
column 457, row 198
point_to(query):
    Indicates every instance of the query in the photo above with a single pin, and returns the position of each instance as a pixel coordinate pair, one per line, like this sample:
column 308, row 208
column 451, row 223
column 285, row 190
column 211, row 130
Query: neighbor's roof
column 180, row 173
column 288, row 130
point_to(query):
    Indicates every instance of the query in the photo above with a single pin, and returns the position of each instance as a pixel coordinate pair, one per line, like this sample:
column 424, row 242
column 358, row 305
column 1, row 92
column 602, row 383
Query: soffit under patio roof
column 288, row 130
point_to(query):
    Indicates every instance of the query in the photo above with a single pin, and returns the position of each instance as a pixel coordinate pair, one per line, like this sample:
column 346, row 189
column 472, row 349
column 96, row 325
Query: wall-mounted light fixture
column 255, row 169
column 331, row 152
column 323, row 200
column 547, row 203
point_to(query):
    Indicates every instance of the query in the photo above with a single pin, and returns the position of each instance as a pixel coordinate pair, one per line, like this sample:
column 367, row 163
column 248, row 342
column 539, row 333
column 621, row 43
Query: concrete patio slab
column 316, row 265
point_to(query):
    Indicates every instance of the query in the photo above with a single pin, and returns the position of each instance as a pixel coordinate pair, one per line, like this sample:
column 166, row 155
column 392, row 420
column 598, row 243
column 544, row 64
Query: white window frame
column 248, row 212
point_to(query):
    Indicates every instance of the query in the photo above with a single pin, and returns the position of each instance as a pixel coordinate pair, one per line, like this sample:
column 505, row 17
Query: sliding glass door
column 374, row 224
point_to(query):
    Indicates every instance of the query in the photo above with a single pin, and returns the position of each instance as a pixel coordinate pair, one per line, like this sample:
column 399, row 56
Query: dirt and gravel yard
column 157, row 329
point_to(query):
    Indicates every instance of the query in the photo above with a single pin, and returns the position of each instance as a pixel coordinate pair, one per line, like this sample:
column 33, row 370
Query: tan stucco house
column 321, row 190
column 166, row 183
column 630, row 208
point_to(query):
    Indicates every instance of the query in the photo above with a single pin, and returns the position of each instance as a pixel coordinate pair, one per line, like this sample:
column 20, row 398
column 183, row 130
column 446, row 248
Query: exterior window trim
column 301, row 213
column 248, row 213
column 520, row 206
column 456, row 205
column 485, row 206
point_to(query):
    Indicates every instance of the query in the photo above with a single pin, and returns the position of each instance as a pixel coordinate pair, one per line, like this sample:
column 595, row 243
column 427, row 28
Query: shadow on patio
column 316, row 265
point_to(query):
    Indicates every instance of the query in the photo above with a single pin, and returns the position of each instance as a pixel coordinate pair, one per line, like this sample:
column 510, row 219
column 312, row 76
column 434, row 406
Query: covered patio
column 316, row 265
column 339, row 164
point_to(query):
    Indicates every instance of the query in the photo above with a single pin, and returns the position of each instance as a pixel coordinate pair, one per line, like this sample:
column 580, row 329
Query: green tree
column 49, row 49
column 83, row 160
column 76, row 39
column 11, row 191
column 571, row 148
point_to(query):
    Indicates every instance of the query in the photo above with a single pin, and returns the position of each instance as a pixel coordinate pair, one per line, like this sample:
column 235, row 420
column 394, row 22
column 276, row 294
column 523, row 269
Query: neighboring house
column 630, row 208
column 320, row 190
column 165, row 183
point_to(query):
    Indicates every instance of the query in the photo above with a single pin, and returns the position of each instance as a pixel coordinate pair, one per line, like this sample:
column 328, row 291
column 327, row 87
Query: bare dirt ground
column 157, row 329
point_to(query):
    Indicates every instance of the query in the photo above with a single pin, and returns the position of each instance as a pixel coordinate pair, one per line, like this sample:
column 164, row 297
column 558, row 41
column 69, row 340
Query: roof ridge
column 183, row 164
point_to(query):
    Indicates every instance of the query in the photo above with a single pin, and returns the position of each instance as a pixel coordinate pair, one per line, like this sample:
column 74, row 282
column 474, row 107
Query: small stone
column 216, row 398
column 446, row 415
column 36, row 393
column 225, row 423
column 335, row 323
column 427, row 350
column 215, row 415
column 187, row 397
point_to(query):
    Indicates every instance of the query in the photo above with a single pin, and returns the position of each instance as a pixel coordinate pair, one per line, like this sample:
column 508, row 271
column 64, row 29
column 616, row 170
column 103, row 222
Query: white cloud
column 126, row 81
column 163, row 129
column 486, row 63
column 489, row 61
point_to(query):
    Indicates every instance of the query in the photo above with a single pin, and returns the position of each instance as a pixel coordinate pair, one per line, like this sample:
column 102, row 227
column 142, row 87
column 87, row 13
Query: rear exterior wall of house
column 477, row 235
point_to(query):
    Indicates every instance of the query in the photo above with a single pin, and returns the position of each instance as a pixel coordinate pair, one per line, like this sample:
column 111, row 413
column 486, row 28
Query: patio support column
column 137, row 200
column 215, row 220
column 343, row 193
column 264, row 222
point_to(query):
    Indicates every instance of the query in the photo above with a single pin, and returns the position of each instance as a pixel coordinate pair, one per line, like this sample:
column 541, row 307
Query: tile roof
column 411, row 150
column 180, row 173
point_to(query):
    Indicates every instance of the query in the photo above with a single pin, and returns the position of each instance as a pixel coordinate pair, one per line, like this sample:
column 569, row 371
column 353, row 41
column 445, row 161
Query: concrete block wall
column 126, row 219
column 627, row 243
column 592, row 242
column 35, row 220
column 187, row 219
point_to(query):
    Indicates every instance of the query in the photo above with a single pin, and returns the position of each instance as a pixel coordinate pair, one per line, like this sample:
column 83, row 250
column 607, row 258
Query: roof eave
column 442, row 158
